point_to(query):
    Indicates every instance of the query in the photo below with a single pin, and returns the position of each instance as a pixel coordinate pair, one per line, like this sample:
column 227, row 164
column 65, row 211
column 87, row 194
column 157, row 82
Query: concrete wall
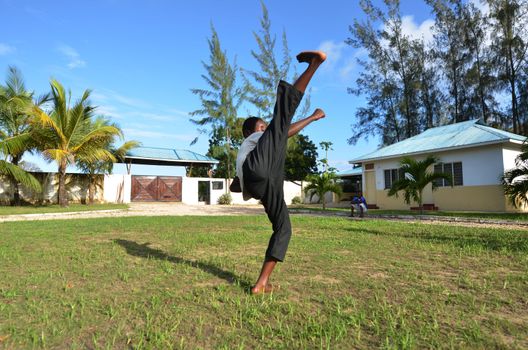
column 190, row 191
column 76, row 187
column 117, row 188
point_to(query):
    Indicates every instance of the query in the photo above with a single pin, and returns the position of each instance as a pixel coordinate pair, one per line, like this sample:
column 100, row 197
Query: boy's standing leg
column 273, row 146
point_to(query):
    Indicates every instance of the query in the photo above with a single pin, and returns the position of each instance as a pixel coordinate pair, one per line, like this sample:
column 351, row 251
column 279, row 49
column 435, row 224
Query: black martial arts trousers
column 264, row 169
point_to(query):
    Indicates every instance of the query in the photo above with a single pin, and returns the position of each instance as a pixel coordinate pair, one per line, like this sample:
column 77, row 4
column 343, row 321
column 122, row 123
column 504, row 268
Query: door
column 370, row 187
column 156, row 188
column 169, row 189
column 204, row 192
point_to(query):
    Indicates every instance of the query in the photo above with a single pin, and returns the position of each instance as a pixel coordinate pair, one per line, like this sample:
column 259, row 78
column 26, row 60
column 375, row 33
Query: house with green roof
column 475, row 154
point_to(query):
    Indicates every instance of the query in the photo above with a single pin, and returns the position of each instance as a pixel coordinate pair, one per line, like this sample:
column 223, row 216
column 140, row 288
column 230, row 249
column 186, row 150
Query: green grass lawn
column 181, row 282
column 463, row 214
column 54, row 208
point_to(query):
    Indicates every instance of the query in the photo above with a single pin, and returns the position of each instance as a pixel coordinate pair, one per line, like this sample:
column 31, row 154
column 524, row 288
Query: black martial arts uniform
column 263, row 169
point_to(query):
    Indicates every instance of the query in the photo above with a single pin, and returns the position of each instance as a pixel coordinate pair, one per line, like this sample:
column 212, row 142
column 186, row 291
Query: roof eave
column 445, row 149
column 176, row 161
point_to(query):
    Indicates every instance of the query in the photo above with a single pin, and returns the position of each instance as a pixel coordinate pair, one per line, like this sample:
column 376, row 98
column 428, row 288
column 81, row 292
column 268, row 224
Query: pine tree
column 219, row 101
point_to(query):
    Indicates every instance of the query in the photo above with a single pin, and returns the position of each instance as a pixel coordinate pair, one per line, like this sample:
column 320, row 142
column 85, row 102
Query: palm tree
column 103, row 166
column 14, row 172
column 321, row 184
column 416, row 178
column 68, row 133
column 15, row 101
column 515, row 181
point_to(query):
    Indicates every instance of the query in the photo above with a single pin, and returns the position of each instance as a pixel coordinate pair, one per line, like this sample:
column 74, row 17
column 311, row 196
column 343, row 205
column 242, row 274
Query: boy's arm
column 301, row 124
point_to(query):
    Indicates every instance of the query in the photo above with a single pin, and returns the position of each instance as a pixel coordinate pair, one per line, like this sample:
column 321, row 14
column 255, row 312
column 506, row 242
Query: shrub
column 296, row 200
column 225, row 199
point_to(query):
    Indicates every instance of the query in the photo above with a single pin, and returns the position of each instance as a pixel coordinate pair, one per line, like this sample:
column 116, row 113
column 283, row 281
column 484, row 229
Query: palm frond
column 43, row 120
column 15, row 145
column 19, row 175
column 56, row 154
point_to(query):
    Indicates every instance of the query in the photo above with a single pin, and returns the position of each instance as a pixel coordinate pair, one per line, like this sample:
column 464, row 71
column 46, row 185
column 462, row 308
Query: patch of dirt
column 146, row 209
column 180, row 209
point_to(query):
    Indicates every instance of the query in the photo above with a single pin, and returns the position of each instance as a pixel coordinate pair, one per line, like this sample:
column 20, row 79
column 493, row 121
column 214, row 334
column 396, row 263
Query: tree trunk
column 228, row 160
column 16, row 187
column 91, row 190
column 63, row 200
column 420, row 203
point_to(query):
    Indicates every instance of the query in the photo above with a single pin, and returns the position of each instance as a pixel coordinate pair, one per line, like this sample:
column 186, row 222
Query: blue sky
column 141, row 58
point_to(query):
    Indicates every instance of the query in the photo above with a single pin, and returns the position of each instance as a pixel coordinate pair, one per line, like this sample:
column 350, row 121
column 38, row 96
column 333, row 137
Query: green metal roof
column 350, row 172
column 471, row 133
column 166, row 156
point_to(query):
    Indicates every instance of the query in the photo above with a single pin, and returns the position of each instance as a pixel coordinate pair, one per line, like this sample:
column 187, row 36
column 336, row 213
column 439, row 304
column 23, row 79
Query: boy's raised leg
column 314, row 60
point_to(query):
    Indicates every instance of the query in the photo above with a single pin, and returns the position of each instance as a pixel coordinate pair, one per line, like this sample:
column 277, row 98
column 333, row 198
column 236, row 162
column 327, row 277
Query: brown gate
column 156, row 188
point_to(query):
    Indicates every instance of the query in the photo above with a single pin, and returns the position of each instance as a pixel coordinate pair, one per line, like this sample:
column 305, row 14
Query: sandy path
column 145, row 209
column 178, row 209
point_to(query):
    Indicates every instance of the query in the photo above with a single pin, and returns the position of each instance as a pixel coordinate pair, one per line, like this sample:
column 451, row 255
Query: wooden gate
column 156, row 189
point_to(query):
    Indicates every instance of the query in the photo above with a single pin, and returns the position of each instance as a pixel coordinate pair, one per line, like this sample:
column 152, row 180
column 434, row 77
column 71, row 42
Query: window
column 218, row 185
column 391, row 175
column 453, row 169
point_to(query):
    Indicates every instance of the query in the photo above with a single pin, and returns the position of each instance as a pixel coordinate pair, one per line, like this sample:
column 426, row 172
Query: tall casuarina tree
column 509, row 28
column 219, row 102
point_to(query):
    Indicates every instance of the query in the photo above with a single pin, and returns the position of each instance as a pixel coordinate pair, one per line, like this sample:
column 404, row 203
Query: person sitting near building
column 359, row 203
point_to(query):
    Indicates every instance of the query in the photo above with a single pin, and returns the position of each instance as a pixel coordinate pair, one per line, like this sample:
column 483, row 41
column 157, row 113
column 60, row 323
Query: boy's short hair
column 249, row 125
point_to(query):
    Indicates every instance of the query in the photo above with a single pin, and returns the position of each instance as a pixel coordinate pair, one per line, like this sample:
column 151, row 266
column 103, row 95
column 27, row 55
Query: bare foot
column 318, row 114
column 311, row 57
column 268, row 288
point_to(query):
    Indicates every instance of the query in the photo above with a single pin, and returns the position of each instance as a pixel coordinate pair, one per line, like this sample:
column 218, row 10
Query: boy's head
column 253, row 124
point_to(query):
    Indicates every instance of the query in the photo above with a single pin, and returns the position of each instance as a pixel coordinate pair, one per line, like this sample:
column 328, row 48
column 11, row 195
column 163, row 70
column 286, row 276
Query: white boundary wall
column 190, row 191
column 117, row 188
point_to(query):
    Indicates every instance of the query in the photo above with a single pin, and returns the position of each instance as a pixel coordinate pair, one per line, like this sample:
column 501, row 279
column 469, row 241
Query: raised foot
column 268, row 288
column 312, row 57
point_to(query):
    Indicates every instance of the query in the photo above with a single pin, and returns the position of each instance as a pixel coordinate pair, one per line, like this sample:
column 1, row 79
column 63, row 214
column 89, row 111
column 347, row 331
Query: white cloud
column 482, row 6
column 113, row 96
column 415, row 31
column 139, row 133
column 108, row 111
column 179, row 112
column 333, row 50
column 6, row 49
column 341, row 58
column 75, row 60
column 351, row 63
column 159, row 117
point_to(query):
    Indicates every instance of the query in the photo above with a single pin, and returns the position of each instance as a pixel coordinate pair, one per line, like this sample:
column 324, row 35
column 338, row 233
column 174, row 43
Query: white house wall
column 509, row 155
column 480, row 166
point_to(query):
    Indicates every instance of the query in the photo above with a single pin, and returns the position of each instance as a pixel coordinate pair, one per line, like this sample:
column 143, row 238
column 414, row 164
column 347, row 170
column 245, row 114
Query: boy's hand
column 318, row 114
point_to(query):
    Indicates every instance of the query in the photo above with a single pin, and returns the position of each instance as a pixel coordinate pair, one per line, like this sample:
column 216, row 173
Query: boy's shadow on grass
column 144, row 251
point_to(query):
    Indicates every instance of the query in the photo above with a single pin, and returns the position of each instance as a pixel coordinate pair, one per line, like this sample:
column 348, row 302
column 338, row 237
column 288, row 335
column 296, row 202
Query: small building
column 475, row 154
column 188, row 190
